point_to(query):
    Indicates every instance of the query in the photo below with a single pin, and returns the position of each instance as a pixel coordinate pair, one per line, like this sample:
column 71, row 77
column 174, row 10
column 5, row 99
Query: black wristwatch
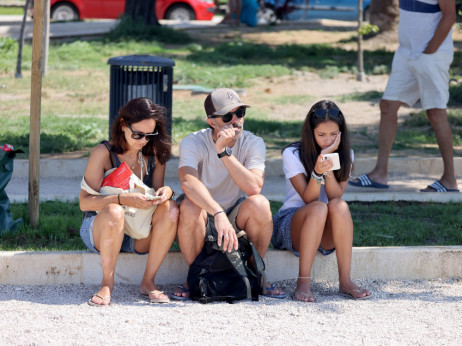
column 226, row 152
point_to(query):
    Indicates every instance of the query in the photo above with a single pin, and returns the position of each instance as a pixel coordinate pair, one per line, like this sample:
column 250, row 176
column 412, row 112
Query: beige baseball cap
column 221, row 101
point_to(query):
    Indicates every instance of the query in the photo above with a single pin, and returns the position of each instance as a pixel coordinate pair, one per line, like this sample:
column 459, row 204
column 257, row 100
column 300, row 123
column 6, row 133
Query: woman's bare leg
column 164, row 225
column 108, row 235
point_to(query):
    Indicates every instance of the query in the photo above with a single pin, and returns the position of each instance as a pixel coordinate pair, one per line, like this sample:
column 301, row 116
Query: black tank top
column 116, row 163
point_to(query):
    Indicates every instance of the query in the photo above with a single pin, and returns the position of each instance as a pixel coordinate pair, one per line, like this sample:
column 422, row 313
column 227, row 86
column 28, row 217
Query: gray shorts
column 282, row 237
column 231, row 212
column 86, row 233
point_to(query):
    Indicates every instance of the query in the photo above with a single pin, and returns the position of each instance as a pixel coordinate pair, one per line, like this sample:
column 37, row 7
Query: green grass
column 7, row 10
column 376, row 224
column 403, row 223
column 75, row 98
column 416, row 132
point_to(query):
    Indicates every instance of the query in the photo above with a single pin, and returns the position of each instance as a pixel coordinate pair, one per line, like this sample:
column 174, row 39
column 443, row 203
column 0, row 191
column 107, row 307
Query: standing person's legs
column 433, row 76
column 439, row 120
column 307, row 228
column 387, row 132
column 163, row 231
column 108, row 234
column 338, row 234
column 402, row 88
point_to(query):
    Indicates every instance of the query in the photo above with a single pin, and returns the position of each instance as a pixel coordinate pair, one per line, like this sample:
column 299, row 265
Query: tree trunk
column 144, row 10
column 385, row 14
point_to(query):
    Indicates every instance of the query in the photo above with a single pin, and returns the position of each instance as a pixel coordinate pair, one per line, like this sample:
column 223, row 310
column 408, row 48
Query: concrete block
column 409, row 263
column 44, row 268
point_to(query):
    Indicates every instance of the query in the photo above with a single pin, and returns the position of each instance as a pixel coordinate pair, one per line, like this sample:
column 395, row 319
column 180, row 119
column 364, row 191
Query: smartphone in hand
column 153, row 198
column 335, row 160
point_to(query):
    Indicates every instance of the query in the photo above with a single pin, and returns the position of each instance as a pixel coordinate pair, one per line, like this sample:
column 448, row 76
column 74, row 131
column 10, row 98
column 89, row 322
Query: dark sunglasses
column 139, row 135
column 240, row 113
column 322, row 113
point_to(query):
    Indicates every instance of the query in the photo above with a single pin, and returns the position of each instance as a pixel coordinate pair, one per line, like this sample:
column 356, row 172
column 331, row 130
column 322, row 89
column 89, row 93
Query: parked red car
column 183, row 10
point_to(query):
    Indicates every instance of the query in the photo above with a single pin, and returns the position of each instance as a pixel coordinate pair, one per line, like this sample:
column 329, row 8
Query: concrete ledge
column 43, row 268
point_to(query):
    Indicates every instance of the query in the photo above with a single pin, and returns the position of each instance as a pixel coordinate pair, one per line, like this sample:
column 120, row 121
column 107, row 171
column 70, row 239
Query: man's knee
column 437, row 115
column 190, row 212
column 389, row 108
column 258, row 202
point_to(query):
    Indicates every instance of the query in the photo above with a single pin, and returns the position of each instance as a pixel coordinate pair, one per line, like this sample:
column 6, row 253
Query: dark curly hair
column 309, row 150
column 134, row 111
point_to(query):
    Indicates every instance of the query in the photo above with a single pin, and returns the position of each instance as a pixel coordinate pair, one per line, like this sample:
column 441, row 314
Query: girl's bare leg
column 339, row 235
column 307, row 228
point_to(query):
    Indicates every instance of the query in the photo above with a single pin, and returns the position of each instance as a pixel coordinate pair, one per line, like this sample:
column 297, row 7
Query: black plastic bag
column 6, row 171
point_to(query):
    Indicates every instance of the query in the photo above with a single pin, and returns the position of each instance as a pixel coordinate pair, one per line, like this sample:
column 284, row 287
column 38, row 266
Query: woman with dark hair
column 314, row 217
column 140, row 140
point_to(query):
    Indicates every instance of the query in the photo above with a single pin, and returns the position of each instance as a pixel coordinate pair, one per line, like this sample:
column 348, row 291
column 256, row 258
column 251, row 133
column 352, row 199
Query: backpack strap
column 260, row 266
column 234, row 256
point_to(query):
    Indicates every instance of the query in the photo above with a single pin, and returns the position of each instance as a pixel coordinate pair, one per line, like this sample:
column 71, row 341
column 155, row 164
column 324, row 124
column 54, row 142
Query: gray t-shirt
column 198, row 151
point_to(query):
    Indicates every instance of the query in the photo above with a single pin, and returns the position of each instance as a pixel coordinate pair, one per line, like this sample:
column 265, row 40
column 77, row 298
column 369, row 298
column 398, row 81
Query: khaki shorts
column 425, row 77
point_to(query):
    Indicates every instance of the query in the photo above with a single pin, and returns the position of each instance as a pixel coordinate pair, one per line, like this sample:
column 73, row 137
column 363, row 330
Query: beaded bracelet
column 318, row 178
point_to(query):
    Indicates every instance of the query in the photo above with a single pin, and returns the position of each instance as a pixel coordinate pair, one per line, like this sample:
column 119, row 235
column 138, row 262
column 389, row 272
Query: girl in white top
column 314, row 216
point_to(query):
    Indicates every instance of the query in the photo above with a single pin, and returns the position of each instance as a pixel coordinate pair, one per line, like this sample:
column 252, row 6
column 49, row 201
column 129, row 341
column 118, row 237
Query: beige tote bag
column 137, row 221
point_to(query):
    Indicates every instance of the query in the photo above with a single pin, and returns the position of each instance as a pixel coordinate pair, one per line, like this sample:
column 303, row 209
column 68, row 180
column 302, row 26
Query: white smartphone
column 335, row 160
column 153, row 198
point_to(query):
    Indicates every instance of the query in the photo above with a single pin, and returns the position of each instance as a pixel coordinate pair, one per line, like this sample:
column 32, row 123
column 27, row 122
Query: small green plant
column 7, row 44
column 367, row 29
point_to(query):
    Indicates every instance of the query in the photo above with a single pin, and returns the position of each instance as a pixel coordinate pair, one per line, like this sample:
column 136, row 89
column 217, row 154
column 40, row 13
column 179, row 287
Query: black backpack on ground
column 216, row 275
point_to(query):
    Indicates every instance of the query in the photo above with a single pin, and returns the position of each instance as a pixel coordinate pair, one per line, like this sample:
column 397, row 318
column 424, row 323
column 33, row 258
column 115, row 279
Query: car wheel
column 64, row 12
column 180, row 12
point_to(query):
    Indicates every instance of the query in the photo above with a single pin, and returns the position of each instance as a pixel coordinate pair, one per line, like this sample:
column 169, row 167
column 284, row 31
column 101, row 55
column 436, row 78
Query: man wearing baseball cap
column 221, row 171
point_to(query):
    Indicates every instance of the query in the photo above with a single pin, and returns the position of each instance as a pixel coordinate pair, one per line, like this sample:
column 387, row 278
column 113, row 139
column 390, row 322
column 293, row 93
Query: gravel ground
column 401, row 312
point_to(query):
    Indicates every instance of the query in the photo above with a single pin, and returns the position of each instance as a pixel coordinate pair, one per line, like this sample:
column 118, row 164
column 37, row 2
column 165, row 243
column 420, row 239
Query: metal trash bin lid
column 141, row 60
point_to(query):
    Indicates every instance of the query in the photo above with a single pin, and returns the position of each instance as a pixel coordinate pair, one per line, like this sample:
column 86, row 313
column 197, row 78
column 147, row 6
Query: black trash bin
column 140, row 76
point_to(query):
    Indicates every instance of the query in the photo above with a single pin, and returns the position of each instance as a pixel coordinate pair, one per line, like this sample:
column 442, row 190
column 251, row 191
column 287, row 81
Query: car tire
column 64, row 12
column 180, row 12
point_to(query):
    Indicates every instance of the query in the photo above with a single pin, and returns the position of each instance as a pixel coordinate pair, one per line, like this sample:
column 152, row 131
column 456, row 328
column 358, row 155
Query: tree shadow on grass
column 315, row 56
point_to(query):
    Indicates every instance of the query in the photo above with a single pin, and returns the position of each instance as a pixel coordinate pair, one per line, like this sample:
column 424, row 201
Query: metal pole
column 21, row 41
column 35, row 112
column 46, row 39
column 361, row 76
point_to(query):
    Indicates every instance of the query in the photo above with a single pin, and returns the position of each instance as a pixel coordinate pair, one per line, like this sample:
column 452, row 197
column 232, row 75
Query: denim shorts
column 86, row 233
column 282, row 237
